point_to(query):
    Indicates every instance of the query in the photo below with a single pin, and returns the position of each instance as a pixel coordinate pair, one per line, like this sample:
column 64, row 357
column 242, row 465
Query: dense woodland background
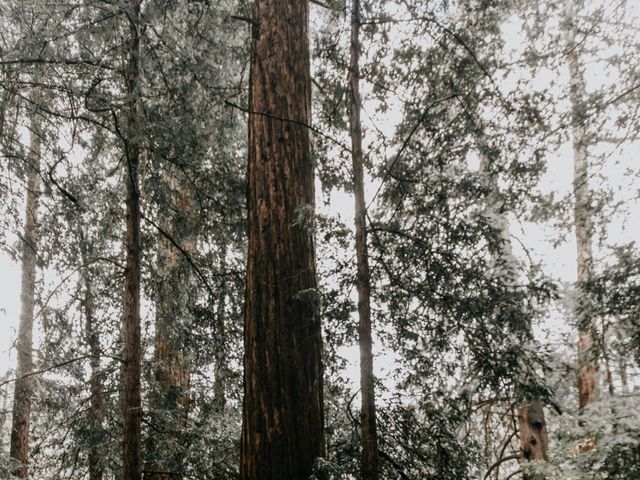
column 421, row 321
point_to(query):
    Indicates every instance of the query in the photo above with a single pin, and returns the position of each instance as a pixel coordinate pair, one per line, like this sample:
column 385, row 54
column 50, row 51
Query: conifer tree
column 23, row 389
column 283, row 419
column 363, row 282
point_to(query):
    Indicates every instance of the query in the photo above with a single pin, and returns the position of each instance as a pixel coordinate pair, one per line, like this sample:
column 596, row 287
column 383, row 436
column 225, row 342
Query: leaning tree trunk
column 131, row 407
column 23, row 392
column 532, row 426
column 170, row 400
column 282, row 431
column 369, row 460
column 587, row 365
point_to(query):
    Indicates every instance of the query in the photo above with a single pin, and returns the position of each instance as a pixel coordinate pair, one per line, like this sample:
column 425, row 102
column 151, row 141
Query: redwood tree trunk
column 369, row 460
column 282, row 432
column 170, row 401
column 132, row 408
column 19, row 448
column 587, row 365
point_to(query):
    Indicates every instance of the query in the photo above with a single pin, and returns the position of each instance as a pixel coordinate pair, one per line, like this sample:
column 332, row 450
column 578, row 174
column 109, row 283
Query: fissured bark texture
column 282, row 431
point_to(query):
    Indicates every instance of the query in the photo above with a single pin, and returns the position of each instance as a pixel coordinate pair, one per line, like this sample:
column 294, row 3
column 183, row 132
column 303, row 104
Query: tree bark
column 534, row 438
column 283, row 418
column 369, row 460
column 132, row 408
column 171, row 399
column 587, row 365
column 23, row 389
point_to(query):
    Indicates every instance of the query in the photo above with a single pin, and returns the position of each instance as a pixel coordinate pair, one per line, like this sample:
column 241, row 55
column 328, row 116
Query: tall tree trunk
column 587, row 366
column 132, row 408
column 283, row 418
column 92, row 338
column 369, row 460
column 532, row 426
column 170, row 401
column 23, row 391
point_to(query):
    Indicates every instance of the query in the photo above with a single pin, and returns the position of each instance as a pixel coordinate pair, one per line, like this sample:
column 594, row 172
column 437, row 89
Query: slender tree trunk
column 283, row 418
column 171, row 399
column 221, row 372
column 92, row 337
column 369, row 461
column 532, row 426
column 621, row 358
column 132, row 408
column 587, row 366
column 23, row 392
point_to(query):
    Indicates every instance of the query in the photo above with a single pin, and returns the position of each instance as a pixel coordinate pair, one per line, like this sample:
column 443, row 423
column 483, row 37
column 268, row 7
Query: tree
column 23, row 389
column 583, row 221
column 170, row 400
column 132, row 403
column 532, row 427
column 283, row 424
column 367, row 380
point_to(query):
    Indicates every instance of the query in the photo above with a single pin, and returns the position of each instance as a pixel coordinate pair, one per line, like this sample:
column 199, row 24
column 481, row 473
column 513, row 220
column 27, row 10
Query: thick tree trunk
column 283, row 431
column 369, row 461
column 132, row 408
column 23, row 392
column 170, row 401
column 587, row 366
column 534, row 438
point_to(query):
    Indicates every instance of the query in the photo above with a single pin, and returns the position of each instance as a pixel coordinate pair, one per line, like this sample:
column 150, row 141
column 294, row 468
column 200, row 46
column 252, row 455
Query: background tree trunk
column 92, row 338
column 369, row 459
column 221, row 372
column 587, row 365
column 283, row 431
column 534, row 438
column 23, row 390
column 132, row 408
column 532, row 426
column 170, row 401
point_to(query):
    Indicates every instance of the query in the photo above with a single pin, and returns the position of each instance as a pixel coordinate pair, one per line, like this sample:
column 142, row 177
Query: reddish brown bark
column 534, row 438
column 23, row 388
column 369, row 460
column 282, row 432
column 132, row 408
column 173, row 318
column 587, row 365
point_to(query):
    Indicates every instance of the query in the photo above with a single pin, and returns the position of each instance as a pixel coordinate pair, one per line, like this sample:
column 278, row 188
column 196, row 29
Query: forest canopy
column 323, row 239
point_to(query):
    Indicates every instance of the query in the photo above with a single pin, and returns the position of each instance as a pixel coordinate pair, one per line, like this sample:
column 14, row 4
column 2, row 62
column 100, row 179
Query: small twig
column 60, row 188
column 182, row 251
column 290, row 120
column 515, row 456
column 58, row 365
column 394, row 464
